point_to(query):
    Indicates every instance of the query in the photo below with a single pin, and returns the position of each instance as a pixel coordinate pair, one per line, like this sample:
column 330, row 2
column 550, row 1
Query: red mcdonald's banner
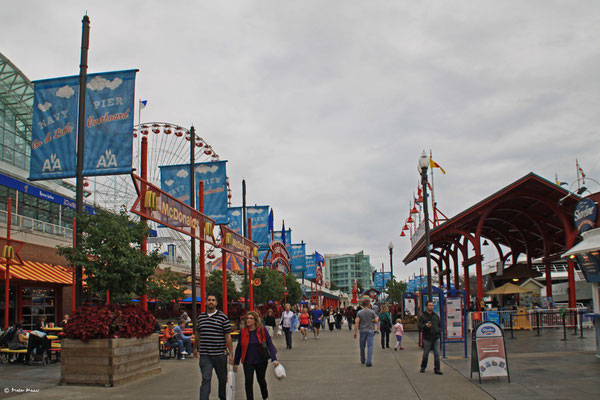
column 160, row 207
column 238, row 245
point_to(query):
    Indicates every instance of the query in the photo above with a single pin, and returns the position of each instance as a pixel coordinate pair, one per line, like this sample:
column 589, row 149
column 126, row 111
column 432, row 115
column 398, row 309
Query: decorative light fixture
column 402, row 234
column 410, row 220
column 485, row 243
column 414, row 210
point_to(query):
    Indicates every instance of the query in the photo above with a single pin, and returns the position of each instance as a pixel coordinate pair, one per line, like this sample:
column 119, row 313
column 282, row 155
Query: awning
column 590, row 242
column 36, row 271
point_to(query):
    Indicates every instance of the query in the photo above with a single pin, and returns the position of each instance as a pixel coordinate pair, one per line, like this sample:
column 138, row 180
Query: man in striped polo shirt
column 214, row 345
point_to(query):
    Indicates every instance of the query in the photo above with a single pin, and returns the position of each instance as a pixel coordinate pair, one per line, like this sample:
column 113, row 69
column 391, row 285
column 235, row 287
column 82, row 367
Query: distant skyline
column 325, row 107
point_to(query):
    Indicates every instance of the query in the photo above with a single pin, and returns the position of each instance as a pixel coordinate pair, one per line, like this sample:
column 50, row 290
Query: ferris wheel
column 168, row 144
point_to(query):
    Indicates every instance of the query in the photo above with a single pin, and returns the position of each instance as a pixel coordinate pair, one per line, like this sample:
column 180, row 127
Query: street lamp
column 391, row 249
column 422, row 168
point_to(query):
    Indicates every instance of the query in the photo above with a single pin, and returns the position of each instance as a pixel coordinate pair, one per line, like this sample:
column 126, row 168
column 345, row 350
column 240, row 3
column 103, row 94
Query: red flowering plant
column 109, row 322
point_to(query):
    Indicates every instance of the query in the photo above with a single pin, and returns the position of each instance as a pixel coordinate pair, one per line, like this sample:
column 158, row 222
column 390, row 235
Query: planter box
column 108, row 362
column 411, row 327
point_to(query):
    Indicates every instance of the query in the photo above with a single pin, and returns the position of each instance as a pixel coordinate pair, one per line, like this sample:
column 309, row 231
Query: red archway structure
column 527, row 217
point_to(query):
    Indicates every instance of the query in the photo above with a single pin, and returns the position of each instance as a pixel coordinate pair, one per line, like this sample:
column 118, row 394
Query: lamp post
column 422, row 167
column 391, row 249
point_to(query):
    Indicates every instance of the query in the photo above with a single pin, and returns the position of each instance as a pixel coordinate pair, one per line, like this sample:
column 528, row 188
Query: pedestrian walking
column 270, row 322
column 349, row 314
column 253, row 350
column 431, row 326
column 324, row 319
column 316, row 316
column 215, row 347
column 399, row 332
column 365, row 319
column 286, row 323
column 304, row 322
column 331, row 320
column 385, row 326
column 339, row 315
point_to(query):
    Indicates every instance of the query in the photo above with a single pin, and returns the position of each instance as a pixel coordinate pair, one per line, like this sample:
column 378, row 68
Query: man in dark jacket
column 431, row 327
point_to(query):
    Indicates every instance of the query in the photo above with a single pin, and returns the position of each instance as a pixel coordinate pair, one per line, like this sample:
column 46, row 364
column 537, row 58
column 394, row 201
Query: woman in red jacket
column 249, row 352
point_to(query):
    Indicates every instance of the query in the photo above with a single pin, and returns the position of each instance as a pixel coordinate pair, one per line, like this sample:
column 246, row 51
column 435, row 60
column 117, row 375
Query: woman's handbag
column 264, row 350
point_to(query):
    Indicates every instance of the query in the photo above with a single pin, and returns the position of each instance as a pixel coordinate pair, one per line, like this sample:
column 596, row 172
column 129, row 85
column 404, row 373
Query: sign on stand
column 456, row 317
column 488, row 355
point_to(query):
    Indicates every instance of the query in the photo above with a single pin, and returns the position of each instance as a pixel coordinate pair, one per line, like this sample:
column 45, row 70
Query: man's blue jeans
column 207, row 363
column 366, row 338
column 429, row 345
column 184, row 344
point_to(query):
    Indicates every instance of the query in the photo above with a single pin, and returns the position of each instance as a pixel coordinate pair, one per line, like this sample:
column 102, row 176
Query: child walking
column 398, row 331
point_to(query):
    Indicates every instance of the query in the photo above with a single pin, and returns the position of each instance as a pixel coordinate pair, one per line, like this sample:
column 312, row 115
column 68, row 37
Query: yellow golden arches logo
column 208, row 229
column 255, row 252
column 8, row 252
column 151, row 201
column 228, row 239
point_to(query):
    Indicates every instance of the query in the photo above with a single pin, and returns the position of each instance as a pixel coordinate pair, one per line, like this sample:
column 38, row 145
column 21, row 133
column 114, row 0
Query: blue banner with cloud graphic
column 174, row 179
column 259, row 216
column 311, row 267
column 108, row 125
column 298, row 257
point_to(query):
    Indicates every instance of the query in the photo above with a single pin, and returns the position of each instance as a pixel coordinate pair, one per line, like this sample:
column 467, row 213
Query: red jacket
column 245, row 337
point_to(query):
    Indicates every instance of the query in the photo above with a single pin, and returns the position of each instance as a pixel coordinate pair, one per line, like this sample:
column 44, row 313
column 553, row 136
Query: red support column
column 144, row 246
column 7, row 272
column 250, row 273
column 548, row 277
column 73, row 286
column 224, row 270
column 202, row 255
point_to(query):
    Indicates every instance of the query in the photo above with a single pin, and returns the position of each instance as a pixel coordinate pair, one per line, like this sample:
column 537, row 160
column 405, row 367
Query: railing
column 26, row 224
column 533, row 319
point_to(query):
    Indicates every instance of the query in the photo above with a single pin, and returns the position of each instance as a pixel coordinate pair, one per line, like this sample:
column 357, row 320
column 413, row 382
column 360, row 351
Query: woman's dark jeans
column 385, row 338
column 261, row 370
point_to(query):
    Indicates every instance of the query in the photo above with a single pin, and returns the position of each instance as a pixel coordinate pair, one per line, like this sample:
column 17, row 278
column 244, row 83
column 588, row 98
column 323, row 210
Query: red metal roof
column 524, row 216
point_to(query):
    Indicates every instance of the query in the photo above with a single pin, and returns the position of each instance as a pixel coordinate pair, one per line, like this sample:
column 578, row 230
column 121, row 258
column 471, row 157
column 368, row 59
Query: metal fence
column 533, row 319
column 26, row 224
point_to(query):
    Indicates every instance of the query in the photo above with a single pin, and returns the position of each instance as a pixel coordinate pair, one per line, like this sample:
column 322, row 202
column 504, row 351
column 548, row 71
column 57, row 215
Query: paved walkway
column 330, row 368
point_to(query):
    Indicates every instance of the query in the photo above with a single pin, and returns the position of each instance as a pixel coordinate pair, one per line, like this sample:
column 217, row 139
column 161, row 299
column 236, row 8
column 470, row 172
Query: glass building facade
column 344, row 269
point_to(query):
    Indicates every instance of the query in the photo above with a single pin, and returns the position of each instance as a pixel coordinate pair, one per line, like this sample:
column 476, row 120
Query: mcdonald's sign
column 238, row 245
column 9, row 252
column 151, row 201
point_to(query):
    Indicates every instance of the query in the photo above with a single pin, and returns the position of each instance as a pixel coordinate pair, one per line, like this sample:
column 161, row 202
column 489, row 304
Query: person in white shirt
column 286, row 323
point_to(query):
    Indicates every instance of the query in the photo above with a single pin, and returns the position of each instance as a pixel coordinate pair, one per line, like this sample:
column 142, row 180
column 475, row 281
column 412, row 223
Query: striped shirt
column 212, row 330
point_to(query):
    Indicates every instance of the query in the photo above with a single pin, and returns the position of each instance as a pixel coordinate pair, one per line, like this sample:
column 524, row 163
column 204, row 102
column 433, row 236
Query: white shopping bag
column 230, row 394
column 279, row 372
column 279, row 331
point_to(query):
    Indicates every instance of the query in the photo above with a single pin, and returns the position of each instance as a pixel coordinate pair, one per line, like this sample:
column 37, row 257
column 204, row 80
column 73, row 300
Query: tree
column 110, row 254
column 294, row 289
column 333, row 286
column 214, row 286
column 167, row 287
column 395, row 291
column 271, row 285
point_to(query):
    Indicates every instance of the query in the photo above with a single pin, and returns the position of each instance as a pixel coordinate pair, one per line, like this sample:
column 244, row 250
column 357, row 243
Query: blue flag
column 319, row 259
column 283, row 233
column 298, row 257
column 271, row 221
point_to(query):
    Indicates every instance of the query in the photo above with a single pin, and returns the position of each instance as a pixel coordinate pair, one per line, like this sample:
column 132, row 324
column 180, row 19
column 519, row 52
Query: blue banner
column 54, row 128
column 259, row 216
column 381, row 280
column 108, row 121
column 311, row 267
column 174, row 179
column 298, row 257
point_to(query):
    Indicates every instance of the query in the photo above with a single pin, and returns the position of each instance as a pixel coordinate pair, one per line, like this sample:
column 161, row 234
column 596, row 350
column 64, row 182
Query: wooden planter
column 108, row 362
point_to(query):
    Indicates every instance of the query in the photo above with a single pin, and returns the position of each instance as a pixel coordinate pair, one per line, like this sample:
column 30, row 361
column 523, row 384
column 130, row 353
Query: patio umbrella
column 508, row 288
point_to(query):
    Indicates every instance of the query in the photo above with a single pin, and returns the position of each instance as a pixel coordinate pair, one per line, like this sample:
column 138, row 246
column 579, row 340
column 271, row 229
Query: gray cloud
column 324, row 107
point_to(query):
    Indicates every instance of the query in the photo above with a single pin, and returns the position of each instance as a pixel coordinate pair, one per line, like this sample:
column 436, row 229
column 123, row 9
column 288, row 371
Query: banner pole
column 192, row 238
column 7, row 272
column 245, row 234
column 250, row 273
column 144, row 175
column 85, row 41
column 202, row 259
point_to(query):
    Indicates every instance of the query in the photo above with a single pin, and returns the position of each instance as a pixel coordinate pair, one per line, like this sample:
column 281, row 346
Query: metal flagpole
column 85, row 42
column 192, row 238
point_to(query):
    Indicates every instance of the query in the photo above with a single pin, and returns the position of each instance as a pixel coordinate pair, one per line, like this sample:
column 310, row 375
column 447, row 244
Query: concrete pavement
column 330, row 368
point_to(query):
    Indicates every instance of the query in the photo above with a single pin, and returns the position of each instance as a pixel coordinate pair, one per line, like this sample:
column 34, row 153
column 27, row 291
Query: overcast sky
column 325, row 106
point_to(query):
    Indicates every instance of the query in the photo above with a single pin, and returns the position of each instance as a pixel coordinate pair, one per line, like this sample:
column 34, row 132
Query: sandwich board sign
column 488, row 355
